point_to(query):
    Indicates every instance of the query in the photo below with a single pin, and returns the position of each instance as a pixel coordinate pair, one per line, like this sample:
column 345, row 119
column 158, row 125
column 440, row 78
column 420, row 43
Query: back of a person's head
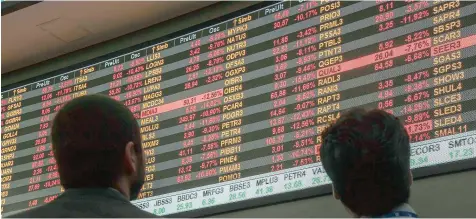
column 367, row 156
column 89, row 137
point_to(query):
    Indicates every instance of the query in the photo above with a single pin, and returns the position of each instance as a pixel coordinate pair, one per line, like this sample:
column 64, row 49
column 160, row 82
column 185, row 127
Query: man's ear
column 335, row 194
column 130, row 158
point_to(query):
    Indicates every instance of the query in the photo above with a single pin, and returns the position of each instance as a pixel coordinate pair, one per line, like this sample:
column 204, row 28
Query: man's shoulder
column 144, row 214
column 85, row 208
column 35, row 212
column 130, row 210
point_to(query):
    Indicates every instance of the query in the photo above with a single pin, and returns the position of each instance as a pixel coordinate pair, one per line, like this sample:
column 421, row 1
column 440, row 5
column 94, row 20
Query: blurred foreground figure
column 367, row 156
column 97, row 147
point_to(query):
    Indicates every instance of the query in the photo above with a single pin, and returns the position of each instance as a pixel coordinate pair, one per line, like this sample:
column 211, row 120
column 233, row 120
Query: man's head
column 367, row 156
column 96, row 143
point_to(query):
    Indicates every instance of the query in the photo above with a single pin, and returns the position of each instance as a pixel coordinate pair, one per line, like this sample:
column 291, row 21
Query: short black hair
column 89, row 136
column 366, row 154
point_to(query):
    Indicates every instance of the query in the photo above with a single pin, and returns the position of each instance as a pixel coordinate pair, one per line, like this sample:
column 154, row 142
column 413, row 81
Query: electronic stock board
column 231, row 111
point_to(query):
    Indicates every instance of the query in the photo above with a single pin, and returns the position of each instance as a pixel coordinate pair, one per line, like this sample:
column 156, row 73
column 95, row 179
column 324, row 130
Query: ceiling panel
column 49, row 29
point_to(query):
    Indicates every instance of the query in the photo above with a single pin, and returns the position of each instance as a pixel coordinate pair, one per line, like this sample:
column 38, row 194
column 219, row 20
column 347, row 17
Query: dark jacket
column 87, row 203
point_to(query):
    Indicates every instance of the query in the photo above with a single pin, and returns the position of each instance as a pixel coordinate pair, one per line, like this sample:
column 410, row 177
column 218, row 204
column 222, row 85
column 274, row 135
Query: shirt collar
column 110, row 192
column 403, row 207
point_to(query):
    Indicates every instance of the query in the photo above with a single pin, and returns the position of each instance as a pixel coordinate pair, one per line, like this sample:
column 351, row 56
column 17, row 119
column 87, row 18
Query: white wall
column 451, row 195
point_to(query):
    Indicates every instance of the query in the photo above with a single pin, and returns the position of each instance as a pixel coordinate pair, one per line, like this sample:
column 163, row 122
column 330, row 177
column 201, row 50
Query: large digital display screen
column 232, row 112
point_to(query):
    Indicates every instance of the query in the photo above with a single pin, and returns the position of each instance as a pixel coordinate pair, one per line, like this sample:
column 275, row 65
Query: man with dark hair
column 366, row 154
column 97, row 146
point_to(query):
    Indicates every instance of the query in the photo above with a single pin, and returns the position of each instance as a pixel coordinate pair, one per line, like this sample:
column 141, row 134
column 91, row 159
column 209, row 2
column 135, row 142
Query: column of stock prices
column 234, row 111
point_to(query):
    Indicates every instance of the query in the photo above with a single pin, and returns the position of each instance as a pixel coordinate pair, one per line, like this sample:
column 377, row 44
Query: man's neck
column 96, row 191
